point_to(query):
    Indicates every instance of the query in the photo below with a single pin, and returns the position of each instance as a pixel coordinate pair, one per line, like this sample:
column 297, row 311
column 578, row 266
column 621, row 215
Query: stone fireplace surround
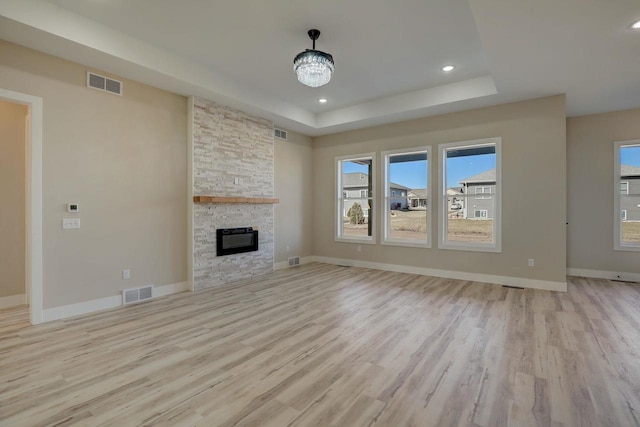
column 232, row 157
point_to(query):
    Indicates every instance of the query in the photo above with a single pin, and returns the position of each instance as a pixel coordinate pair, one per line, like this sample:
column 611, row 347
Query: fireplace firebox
column 236, row 240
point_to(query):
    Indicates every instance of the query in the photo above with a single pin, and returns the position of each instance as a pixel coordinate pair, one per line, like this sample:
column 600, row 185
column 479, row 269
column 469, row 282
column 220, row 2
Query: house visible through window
column 470, row 191
column 483, row 192
column 356, row 198
column 406, row 215
column 627, row 200
column 624, row 187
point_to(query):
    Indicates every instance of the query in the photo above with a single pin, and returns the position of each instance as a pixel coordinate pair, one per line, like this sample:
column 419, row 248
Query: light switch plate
column 70, row 223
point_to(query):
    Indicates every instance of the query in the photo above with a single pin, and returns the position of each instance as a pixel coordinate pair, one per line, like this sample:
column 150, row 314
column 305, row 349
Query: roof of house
column 418, row 192
column 359, row 179
column 629, row 170
column 486, row 176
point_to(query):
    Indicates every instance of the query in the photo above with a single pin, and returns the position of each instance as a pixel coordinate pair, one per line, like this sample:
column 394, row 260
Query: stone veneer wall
column 229, row 144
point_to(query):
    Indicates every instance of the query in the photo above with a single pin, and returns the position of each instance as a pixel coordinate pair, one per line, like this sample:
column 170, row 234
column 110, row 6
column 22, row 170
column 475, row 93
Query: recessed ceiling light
column 322, row 100
column 636, row 25
column 448, row 68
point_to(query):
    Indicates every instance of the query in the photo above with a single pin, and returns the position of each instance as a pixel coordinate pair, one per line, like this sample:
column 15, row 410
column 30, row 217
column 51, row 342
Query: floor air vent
column 279, row 133
column 105, row 84
column 131, row 296
column 294, row 261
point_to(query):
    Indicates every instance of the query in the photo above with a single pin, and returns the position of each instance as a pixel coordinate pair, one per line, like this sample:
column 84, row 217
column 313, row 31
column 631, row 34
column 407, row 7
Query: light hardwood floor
column 324, row 345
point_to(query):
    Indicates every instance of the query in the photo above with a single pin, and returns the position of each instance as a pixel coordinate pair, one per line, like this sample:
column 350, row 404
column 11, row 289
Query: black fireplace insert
column 236, row 240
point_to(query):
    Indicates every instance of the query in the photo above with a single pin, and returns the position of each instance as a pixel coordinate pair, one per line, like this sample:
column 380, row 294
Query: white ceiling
column 388, row 55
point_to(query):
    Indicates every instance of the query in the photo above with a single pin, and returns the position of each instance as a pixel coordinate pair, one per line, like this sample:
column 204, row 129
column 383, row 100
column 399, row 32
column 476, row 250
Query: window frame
column 486, row 213
column 443, row 243
column 338, row 199
column 483, row 195
column 386, row 197
column 618, row 244
column 626, row 193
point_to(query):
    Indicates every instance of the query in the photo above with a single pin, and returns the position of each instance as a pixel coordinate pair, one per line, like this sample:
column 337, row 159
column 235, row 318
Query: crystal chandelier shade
column 313, row 67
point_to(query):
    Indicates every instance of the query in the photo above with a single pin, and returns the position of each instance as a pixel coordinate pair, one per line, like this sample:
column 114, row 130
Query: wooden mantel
column 251, row 200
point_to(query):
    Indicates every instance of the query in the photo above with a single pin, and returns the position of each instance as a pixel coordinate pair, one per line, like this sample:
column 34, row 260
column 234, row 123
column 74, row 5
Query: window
column 469, row 190
column 354, row 209
column 406, row 220
column 483, row 213
column 624, row 187
column 483, row 192
column 627, row 196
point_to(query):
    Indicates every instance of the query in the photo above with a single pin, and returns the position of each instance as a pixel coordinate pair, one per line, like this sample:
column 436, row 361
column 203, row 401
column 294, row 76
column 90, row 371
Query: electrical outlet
column 69, row 223
column 359, row 248
column 532, row 262
column 288, row 248
column 126, row 274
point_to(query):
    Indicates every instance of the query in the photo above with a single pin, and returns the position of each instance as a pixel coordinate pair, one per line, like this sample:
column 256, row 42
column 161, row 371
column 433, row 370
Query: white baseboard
column 106, row 303
column 449, row 274
column 285, row 264
column 603, row 274
column 13, row 300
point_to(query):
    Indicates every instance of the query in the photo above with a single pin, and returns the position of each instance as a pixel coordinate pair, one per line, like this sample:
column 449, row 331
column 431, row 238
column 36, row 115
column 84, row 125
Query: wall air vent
column 282, row 134
column 131, row 296
column 294, row 261
column 105, row 84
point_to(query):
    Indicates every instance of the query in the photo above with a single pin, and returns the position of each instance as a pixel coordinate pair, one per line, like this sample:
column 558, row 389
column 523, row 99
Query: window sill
column 358, row 240
column 470, row 247
column 407, row 243
column 625, row 248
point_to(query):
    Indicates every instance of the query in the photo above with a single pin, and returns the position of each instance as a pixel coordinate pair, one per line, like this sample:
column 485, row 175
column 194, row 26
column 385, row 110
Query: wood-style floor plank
column 322, row 345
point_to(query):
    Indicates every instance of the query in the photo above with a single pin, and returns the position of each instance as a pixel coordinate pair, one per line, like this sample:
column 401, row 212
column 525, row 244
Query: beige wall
column 123, row 159
column 12, row 194
column 534, row 176
column 293, row 186
column 590, row 190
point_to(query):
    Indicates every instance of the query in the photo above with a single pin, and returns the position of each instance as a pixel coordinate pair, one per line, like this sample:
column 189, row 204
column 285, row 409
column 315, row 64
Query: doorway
column 13, row 177
column 22, row 224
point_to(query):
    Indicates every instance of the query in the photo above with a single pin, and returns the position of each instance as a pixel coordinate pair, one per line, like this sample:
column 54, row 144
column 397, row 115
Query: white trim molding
column 106, row 303
column 386, row 198
column 339, row 200
column 449, row 274
column 13, row 300
column 618, row 244
column 604, row 274
column 443, row 241
column 282, row 265
column 34, row 273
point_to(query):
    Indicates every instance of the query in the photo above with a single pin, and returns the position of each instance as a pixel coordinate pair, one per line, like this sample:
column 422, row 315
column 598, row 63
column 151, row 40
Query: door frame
column 34, row 268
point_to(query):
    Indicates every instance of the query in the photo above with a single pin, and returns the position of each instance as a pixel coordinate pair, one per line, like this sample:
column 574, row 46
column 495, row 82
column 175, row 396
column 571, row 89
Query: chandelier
column 313, row 67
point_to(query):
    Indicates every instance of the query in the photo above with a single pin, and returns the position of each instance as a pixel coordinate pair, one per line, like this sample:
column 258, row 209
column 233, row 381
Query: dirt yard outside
column 630, row 232
column 413, row 225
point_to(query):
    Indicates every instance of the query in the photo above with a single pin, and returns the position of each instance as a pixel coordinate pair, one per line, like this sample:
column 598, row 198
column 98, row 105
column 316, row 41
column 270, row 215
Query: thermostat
column 73, row 207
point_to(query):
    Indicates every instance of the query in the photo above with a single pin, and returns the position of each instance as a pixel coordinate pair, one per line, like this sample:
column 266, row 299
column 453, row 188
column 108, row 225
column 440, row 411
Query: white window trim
column 365, row 194
column 443, row 243
column 483, row 195
column 486, row 213
column 368, row 240
column 617, row 217
column 627, row 191
column 386, row 198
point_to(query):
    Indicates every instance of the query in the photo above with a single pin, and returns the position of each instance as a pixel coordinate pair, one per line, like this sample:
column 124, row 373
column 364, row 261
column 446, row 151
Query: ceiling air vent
column 105, row 84
column 282, row 134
